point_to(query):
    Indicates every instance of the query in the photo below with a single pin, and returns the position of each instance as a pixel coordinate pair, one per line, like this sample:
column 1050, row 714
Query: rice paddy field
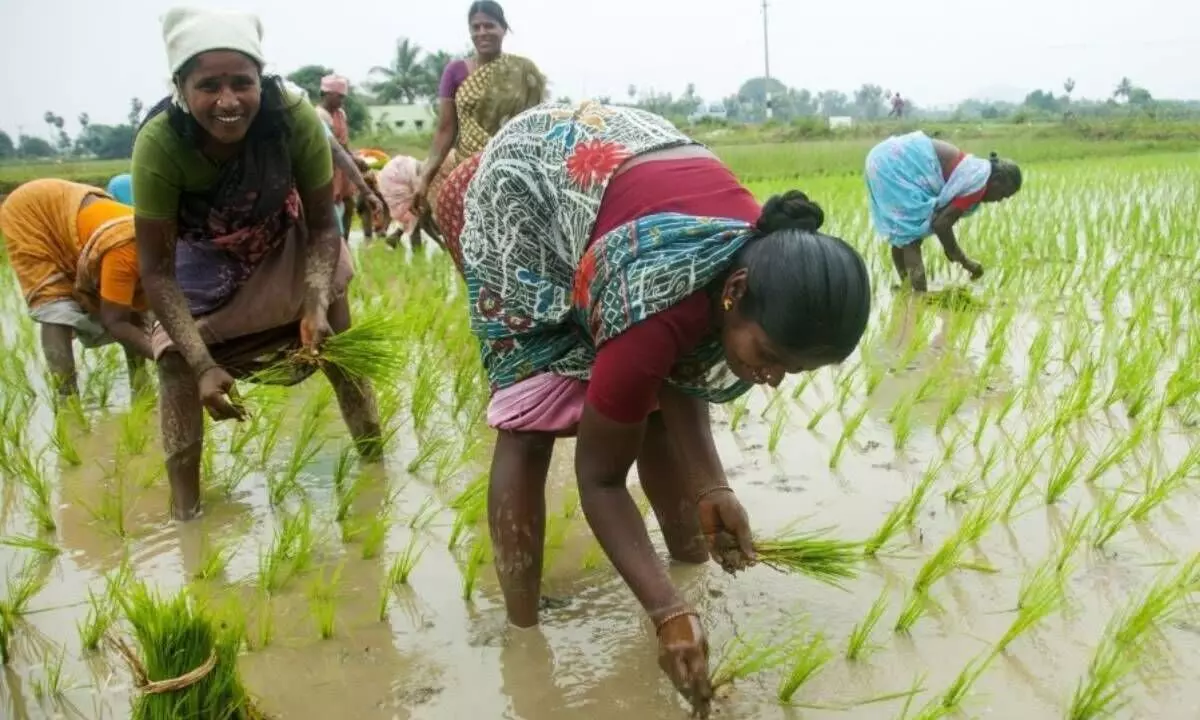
column 996, row 500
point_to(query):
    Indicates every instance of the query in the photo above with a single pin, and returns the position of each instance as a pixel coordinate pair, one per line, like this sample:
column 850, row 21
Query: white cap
column 191, row 31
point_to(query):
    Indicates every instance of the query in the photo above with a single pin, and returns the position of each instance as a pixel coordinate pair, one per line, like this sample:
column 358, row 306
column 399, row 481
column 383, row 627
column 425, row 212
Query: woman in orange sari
column 71, row 247
column 476, row 97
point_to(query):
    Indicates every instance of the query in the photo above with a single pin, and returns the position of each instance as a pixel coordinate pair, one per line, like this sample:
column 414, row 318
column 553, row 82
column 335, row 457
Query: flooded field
column 1021, row 459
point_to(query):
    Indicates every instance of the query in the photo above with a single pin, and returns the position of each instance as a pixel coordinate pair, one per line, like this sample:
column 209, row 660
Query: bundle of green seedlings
column 814, row 554
column 187, row 666
column 374, row 348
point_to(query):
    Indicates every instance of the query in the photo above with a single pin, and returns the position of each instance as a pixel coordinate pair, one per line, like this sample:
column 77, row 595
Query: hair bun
column 790, row 211
column 993, row 156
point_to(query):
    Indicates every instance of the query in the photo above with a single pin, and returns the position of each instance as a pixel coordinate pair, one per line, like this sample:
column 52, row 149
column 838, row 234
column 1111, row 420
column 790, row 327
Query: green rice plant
column 374, row 534
column 901, row 418
column 289, row 553
column 745, row 656
column 322, row 601
column 137, row 426
column 814, row 554
column 858, row 646
column 1109, row 518
column 959, row 392
column 265, row 624
column 737, row 411
column 37, row 497
column 1064, row 473
column 920, row 491
column 111, row 512
column 30, row 580
column 50, row 684
column 951, row 699
column 850, row 427
column 802, row 384
column 1128, row 638
column 102, row 609
column 807, row 659
column 813, row 421
column 425, row 514
column 1041, row 595
column 286, row 483
column 45, row 550
column 985, row 417
column 426, row 451
column 887, row 529
column 1116, row 452
column 214, row 558
column 1020, row 483
column 915, row 605
column 399, row 571
column 62, row 442
column 1156, row 493
column 478, row 557
column 188, row 663
column 779, row 424
column 425, row 393
column 1071, row 539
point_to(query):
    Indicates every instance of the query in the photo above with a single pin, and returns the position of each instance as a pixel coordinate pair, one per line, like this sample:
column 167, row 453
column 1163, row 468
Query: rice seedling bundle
column 814, row 554
column 373, row 348
column 186, row 660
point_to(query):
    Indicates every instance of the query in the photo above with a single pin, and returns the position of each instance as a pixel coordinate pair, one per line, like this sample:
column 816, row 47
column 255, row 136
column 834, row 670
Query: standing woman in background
column 240, row 255
column 334, row 90
column 475, row 98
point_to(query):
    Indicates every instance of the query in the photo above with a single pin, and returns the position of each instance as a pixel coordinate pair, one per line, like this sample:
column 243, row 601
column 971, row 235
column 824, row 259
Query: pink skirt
column 546, row 403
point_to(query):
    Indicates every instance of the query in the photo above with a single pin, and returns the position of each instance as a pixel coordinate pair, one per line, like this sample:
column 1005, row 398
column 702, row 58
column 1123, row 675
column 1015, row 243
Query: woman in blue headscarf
column 919, row 186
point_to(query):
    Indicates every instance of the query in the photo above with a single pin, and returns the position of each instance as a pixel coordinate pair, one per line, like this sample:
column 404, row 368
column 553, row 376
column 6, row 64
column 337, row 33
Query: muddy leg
column 356, row 397
column 898, row 263
column 60, row 358
column 670, row 494
column 182, row 418
column 915, row 265
column 348, row 213
column 368, row 218
column 517, row 519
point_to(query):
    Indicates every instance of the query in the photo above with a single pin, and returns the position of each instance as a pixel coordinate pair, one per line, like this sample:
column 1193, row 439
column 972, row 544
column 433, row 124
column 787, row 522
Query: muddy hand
column 727, row 530
column 314, row 328
column 972, row 267
column 217, row 393
column 683, row 656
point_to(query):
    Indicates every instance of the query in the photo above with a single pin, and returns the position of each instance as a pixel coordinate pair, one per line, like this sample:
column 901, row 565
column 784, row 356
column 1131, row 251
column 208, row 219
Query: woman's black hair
column 810, row 292
column 273, row 122
column 491, row 8
column 1007, row 171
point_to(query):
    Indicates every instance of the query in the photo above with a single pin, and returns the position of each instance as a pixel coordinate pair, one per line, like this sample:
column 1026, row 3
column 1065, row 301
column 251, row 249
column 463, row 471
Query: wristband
column 716, row 488
column 658, row 626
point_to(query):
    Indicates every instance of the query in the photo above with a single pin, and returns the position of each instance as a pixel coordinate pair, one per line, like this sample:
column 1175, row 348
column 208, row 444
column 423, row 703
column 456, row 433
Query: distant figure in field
column 334, row 90
column 898, row 104
column 121, row 188
column 72, row 249
column 397, row 183
column 371, row 205
column 919, row 186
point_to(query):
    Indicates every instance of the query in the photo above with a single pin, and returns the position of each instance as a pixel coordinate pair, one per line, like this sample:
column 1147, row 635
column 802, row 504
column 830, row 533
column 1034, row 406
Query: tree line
column 412, row 75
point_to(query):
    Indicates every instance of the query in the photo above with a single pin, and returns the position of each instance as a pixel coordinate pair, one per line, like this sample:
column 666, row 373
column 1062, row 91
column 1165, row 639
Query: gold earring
column 728, row 304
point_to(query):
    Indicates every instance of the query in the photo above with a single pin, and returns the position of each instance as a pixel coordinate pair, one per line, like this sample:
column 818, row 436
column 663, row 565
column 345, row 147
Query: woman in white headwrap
column 242, row 261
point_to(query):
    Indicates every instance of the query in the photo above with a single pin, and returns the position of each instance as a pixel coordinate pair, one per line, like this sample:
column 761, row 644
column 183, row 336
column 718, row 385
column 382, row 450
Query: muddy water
column 436, row 655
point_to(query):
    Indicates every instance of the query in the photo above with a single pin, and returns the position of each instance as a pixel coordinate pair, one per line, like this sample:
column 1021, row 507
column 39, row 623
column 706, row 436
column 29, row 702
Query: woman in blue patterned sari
column 919, row 186
column 620, row 279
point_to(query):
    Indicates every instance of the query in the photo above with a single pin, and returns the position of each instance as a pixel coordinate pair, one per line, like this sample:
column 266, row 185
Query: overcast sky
column 72, row 56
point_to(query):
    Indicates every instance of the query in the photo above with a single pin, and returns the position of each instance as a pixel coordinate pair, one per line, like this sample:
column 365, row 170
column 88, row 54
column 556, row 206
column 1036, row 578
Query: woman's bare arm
column 343, row 161
column 604, row 452
column 943, row 227
column 689, row 429
column 324, row 246
column 119, row 321
column 156, row 258
column 443, row 138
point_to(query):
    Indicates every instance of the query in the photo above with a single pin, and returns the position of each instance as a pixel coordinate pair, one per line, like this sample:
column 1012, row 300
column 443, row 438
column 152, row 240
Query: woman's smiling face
column 223, row 92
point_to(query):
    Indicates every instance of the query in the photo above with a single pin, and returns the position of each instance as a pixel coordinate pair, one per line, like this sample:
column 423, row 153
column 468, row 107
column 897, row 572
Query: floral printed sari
column 540, row 299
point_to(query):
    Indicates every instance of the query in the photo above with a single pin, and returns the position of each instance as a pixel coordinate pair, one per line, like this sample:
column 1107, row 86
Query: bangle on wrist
column 658, row 625
column 708, row 491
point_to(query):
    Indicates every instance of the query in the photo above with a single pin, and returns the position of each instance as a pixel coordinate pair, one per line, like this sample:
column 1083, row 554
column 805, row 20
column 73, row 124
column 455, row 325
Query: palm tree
column 1124, row 88
column 404, row 79
column 434, row 66
column 1069, row 87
